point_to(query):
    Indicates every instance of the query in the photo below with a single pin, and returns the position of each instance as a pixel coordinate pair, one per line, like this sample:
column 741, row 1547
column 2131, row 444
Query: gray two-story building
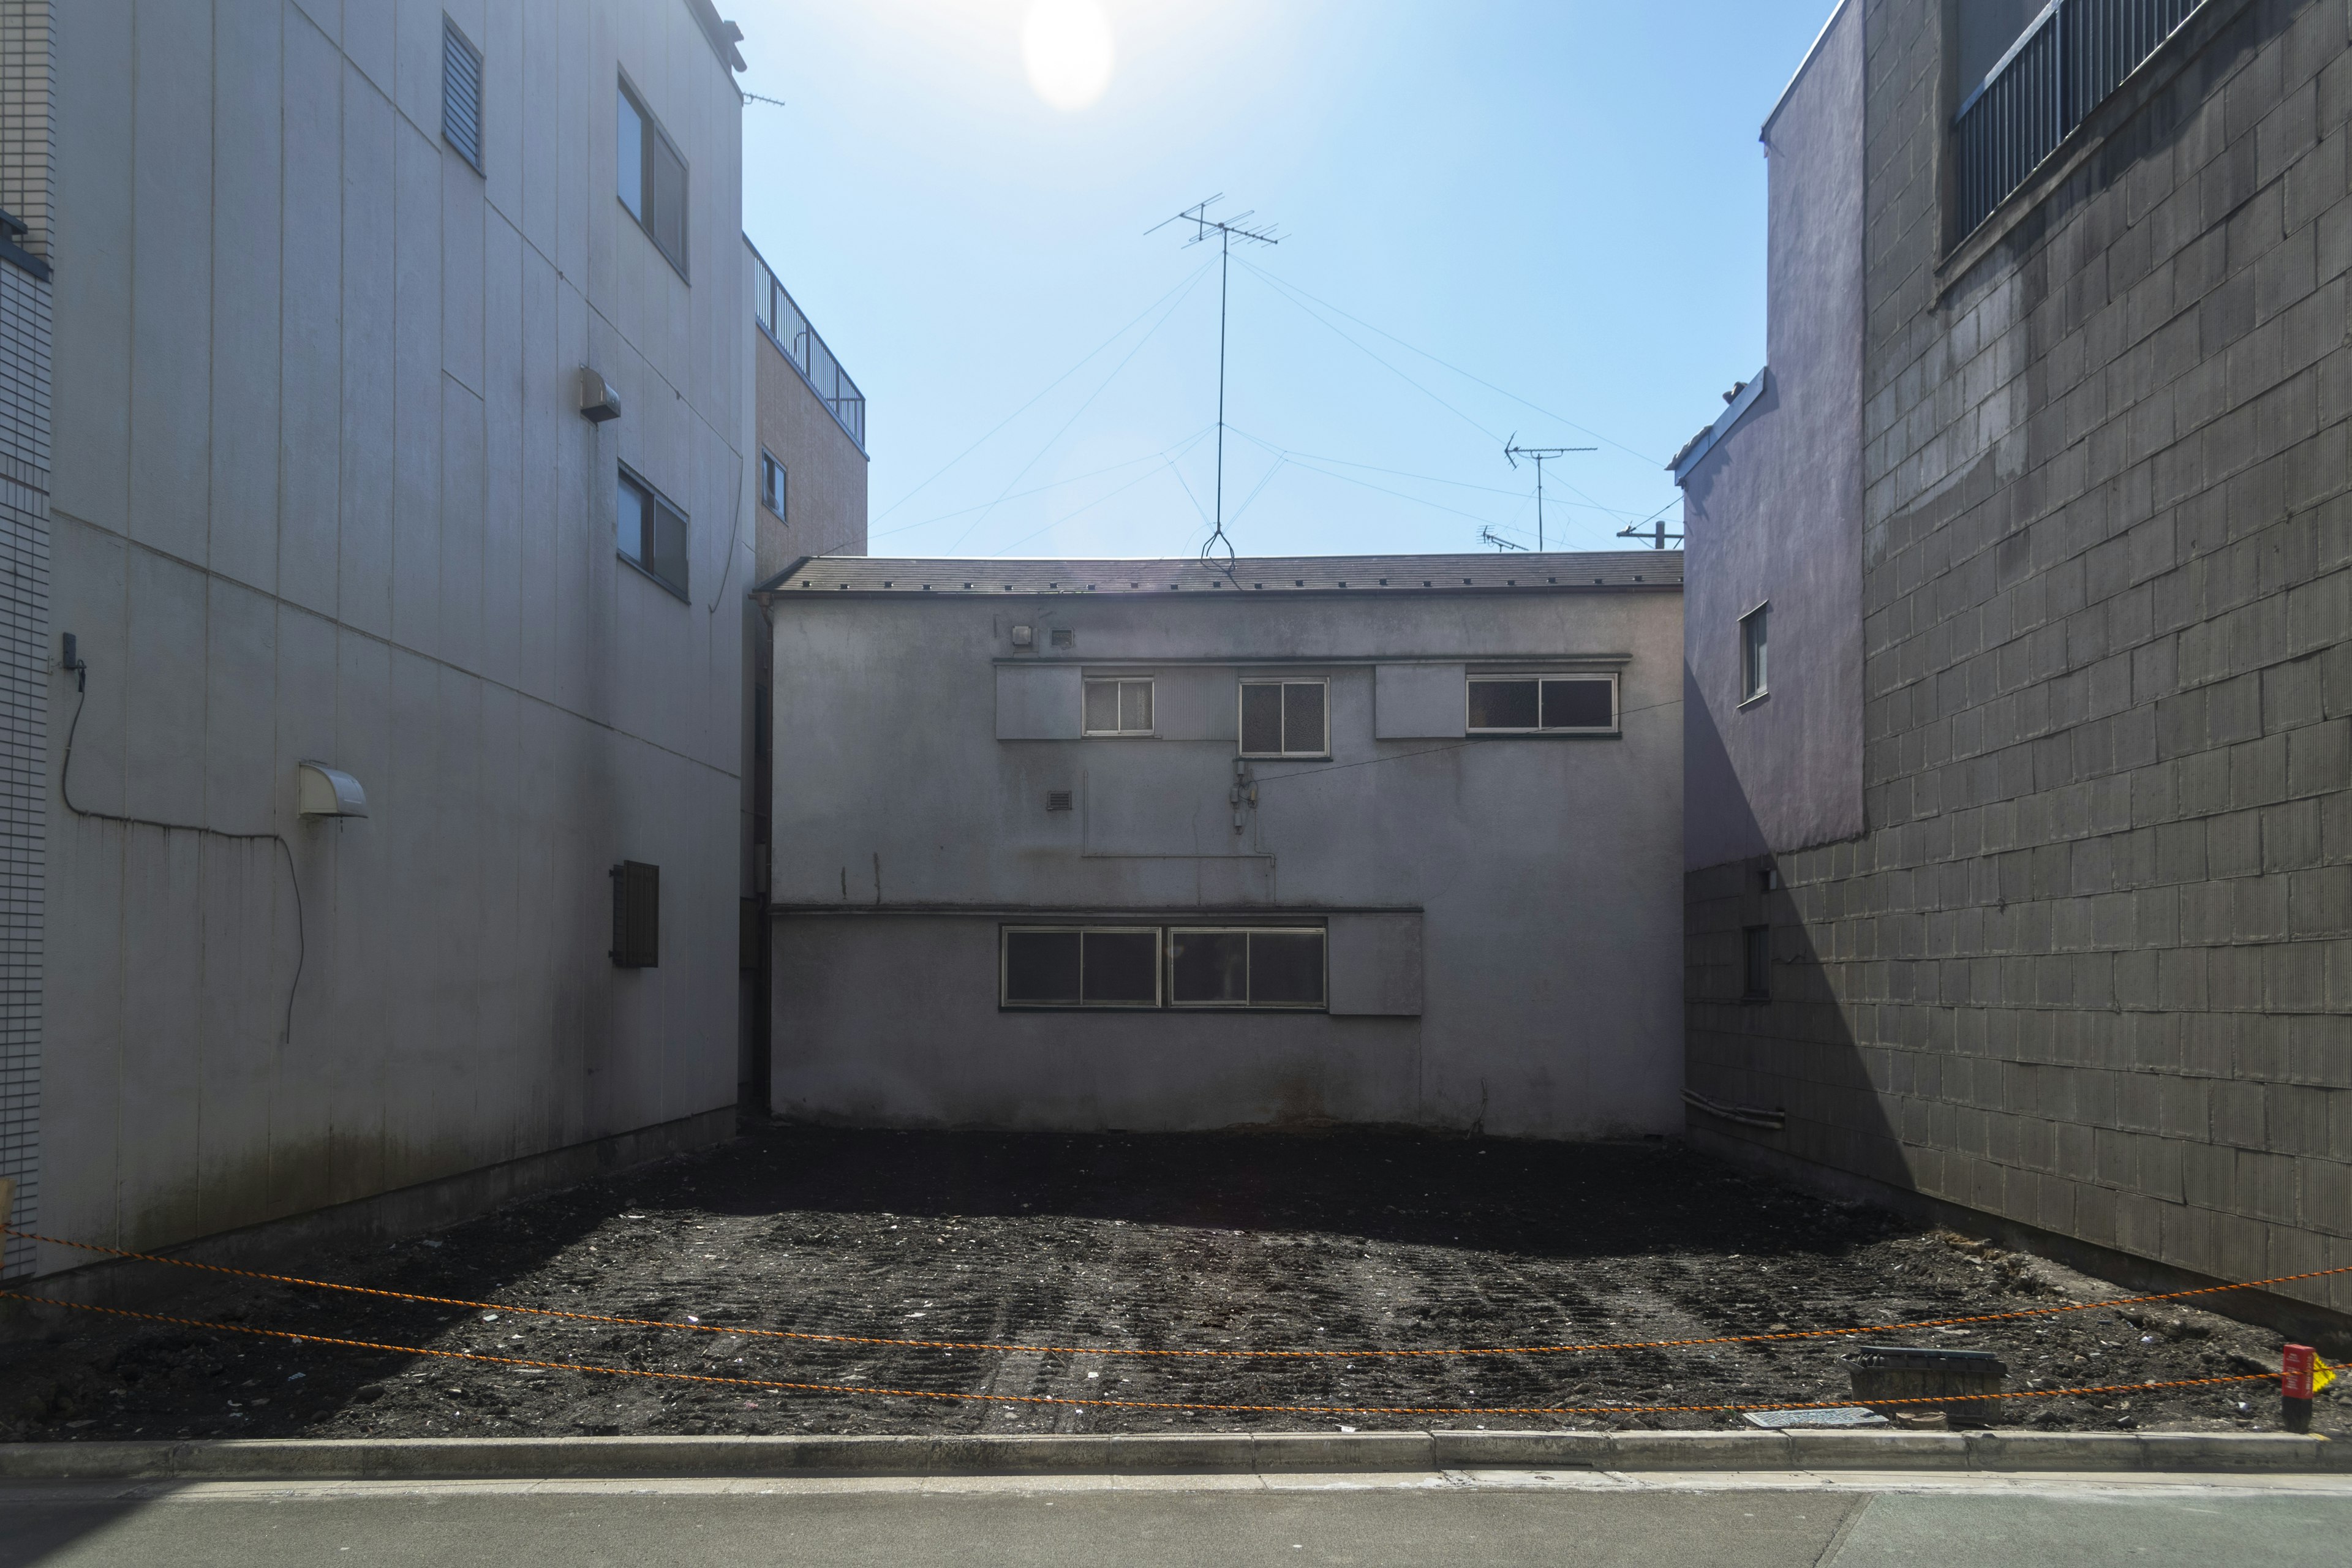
column 1155, row 845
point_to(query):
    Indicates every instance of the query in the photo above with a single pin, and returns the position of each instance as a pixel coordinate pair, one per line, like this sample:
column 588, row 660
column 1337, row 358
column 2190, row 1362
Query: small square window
column 1285, row 718
column 1753, row 682
column 1756, row 963
column 1118, row 707
column 461, row 94
column 650, row 534
column 772, row 484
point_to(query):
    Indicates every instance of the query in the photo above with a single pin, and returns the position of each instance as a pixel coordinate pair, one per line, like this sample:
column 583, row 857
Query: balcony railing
column 2067, row 61
column 782, row 319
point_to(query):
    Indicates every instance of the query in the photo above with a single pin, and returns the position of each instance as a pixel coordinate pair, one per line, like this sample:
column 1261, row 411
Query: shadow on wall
column 1787, row 1045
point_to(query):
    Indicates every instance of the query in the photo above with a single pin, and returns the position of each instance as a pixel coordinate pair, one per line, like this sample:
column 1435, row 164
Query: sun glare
column 1067, row 45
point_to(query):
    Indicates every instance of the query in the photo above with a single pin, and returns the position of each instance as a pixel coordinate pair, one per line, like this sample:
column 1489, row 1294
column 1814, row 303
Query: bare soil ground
column 1344, row 1240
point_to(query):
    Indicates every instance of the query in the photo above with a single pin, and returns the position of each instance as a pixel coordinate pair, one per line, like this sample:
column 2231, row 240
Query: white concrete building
column 1144, row 844
column 326, row 277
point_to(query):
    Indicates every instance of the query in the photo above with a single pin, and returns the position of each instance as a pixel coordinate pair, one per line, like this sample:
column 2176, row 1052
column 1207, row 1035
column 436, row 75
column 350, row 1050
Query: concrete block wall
column 26, row 70
column 2090, row 966
column 321, row 491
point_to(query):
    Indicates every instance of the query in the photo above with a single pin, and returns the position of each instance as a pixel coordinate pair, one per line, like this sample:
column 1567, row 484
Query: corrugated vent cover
column 637, row 915
column 1057, row 800
column 461, row 94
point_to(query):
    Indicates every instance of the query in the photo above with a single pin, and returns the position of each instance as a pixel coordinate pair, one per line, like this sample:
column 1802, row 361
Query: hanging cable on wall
column 79, row 669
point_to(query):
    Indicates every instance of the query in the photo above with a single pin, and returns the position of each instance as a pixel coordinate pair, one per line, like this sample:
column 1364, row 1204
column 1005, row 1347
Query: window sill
column 664, row 583
column 1748, row 702
column 1543, row 734
column 2152, row 76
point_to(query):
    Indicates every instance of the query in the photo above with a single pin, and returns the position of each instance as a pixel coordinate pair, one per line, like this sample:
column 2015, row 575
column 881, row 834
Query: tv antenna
column 1654, row 531
column 1539, row 456
column 1488, row 535
column 1227, row 230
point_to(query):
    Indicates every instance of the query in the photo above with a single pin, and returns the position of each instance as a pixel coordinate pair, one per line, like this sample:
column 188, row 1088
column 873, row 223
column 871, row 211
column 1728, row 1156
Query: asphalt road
column 1754, row 1521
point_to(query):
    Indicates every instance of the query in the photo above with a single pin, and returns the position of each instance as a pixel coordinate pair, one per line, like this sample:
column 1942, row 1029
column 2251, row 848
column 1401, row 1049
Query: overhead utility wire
column 1036, row 490
column 1083, row 404
column 1170, row 454
column 1457, row 370
column 1282, row 290
column 1083, row 360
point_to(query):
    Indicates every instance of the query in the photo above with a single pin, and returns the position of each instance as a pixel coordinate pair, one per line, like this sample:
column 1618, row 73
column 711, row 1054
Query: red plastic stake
column 2295, row 1387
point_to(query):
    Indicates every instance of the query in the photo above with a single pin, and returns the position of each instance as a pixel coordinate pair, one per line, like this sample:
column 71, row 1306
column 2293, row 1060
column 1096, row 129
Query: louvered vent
column 461, row 94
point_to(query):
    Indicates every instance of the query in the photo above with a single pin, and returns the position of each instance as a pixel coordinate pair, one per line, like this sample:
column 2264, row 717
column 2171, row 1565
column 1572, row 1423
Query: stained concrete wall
column 824, row 496
column 321, row 491
column 2090, row 968
column 906, row 832
column 1772, row 512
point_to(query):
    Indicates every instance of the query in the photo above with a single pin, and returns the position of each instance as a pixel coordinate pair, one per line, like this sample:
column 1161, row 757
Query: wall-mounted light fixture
column 598, row 401
column 323, row 791
column 1023, row 636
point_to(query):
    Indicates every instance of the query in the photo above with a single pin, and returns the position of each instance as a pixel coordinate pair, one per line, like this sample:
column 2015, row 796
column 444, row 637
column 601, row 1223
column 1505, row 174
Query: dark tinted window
column 1041, row 966
column 1261, row 718
column 652, row 533
column 1504, row 705
column 1286, row 968
column 651, row 178
column 1579, row 705
column 1756, row 961
column 1121, row 966
column 1302, row 717
column 1209, row 966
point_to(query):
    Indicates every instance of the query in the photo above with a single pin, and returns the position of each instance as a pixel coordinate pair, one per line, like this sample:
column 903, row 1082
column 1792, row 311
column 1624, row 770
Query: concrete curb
column 518, row 1458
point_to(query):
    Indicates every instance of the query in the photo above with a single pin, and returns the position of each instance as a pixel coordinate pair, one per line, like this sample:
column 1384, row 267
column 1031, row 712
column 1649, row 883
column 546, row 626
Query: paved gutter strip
column 508, row 1459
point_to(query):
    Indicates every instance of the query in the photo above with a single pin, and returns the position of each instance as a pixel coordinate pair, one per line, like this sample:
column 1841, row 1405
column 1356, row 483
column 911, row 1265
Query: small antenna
column 1488, row 535
column 1539, row 456
column 763, row 98
column 1653, row 531
column 1227, row 230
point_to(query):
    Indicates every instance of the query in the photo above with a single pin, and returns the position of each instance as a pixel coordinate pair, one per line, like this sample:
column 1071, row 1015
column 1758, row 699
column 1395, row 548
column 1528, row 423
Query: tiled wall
column 25, row 319
column 2090, row 967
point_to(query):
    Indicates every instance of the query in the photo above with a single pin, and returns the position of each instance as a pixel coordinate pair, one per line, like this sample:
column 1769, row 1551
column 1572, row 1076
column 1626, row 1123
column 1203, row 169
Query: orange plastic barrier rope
column 805, row 1337
column 871, row 1392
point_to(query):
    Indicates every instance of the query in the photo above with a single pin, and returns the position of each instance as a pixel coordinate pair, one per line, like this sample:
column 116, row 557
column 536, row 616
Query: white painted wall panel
column 1414, row 701
column 311, row 369
column 1039, row 701
column 248, row 87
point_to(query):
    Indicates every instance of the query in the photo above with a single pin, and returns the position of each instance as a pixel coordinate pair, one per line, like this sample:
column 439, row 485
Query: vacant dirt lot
column 1347, row 1241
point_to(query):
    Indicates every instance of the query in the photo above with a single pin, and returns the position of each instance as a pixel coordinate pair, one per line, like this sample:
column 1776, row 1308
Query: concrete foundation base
column 290, row 1244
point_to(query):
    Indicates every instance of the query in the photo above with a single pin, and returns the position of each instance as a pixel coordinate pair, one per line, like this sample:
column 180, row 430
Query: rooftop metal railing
column 2065, row 62
column 782, row 319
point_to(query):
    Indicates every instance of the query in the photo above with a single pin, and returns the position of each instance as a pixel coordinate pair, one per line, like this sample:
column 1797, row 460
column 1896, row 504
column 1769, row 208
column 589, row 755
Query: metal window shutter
column 461, row 95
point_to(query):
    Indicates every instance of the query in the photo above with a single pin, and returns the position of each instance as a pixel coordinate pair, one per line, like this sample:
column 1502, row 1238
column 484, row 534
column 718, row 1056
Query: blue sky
column 1539, row 220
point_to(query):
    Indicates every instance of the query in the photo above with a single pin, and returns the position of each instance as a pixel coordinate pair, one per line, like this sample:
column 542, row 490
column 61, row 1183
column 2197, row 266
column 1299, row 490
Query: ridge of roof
column 1523, row 571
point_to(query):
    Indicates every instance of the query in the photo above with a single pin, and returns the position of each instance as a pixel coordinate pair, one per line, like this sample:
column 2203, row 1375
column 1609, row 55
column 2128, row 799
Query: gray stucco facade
column 321, row 489
column 2085, row 967
column 1502, row 929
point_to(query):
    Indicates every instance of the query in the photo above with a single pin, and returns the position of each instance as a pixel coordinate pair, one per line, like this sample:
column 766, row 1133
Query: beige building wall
column 321, row 490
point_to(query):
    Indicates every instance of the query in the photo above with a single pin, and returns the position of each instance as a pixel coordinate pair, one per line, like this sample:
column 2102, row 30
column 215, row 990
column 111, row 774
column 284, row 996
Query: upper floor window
column 771, row 483
column 1285, row 719
column 1118, row 707
column 1542, row 704
column 1752, row 646
column 461, row 94
column 652, row 178
column 652, row 533
column 2050, row 65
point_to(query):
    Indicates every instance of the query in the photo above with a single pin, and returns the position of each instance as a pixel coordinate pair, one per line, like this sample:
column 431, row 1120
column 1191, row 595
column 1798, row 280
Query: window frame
column 1241, row 706
column 1614, row 729
column 1249, row 1003
column 1149, row 682
column 1755, row 654
column 1006, row 934
column 1163, row 968
column 452, row 33
column 650, row 128
column 769, row 463
column 680, row 590
column 1755, row 972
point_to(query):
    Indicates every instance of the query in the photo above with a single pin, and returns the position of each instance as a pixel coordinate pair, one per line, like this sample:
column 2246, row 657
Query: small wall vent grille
column 461, row 94
column 1057, row 800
